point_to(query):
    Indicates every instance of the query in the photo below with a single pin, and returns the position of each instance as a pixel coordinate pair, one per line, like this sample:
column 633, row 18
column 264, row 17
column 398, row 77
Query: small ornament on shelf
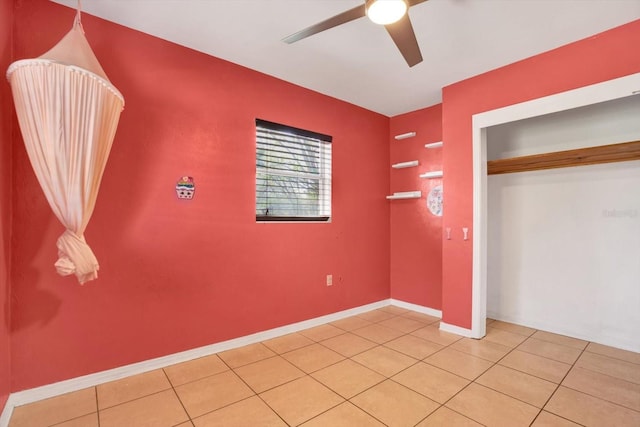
column 434, row 200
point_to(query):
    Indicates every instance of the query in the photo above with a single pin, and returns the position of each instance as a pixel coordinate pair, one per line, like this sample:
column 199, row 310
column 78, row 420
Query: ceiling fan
column 390, row 13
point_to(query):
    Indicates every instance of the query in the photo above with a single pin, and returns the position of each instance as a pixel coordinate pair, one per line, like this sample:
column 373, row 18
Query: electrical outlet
column 329, row 279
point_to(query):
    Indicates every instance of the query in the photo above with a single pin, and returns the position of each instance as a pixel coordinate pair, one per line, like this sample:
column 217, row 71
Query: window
column 293, row 174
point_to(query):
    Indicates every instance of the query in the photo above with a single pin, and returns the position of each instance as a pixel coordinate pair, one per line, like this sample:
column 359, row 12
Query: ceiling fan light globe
column 385, row 12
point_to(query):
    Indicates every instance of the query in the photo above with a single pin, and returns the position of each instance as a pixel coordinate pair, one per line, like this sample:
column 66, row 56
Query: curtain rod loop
column 77, row 22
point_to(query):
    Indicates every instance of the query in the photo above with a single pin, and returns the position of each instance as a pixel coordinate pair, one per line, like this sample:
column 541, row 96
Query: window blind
column 293, row 173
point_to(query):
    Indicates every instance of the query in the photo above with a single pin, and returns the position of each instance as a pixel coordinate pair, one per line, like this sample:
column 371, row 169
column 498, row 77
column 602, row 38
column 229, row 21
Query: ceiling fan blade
column 415, row 2
column 405, row 39
column 342, row 18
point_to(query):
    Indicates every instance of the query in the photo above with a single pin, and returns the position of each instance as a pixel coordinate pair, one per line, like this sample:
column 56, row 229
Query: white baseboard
column 415, row 307
column 445, row 327
column 557, row 328
column 74, row 384
column 436, row 313
column 5, row 416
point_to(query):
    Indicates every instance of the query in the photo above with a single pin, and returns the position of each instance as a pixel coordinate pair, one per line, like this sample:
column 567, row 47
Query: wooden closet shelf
column 625, row 151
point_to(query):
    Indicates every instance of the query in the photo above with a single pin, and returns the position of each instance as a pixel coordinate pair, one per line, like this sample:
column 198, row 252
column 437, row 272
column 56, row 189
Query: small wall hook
column 448, row 233
column 465, row 233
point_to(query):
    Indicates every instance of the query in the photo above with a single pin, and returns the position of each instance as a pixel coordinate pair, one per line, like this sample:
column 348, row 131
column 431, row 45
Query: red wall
column 180, row 274
column 416, row 234
column 602, row 57
column 6, row 111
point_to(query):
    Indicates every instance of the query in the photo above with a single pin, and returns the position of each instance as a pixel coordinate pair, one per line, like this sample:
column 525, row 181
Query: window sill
column 292, row 219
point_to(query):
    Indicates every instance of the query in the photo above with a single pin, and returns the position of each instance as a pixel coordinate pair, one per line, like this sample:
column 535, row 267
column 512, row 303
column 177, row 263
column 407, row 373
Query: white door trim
column 588, row 95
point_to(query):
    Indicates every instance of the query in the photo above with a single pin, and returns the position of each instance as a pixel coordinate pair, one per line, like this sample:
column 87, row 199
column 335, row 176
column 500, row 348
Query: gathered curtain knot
column 76, row 257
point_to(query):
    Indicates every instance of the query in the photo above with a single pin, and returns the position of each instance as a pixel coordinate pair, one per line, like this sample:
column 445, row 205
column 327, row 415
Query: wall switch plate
column 329, row 279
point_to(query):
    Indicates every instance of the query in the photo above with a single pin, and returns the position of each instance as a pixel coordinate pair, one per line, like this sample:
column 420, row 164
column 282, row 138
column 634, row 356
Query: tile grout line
column 272, row 410
column 598, row 397
column 402, row 370
column 546, row 357
column 559, row 416
column 452, row 410
column 474, row 380
column 497, row 363
column 133, row 400
column 558, row 387
column 177, row 396
column 535, row 376
column 513, row 397
column 305, row 375
column 459, row 391
column 72, row 419
column 386, row 378
column 555, row 342
column 97, row 405
column 541, row 409
column 605, row 374
column 258, row 394
column 423, row 360
column 533, row 354
column 586, row 350
column 229, row 369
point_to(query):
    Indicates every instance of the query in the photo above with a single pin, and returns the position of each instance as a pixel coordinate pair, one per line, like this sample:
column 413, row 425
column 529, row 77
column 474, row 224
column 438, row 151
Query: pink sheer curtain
column 68, row 113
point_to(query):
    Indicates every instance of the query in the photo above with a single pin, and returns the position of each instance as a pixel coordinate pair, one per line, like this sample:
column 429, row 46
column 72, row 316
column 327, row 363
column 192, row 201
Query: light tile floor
column 390, row 367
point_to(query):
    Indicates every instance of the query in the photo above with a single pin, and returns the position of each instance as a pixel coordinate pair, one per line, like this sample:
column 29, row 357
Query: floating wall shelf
column 434, row 174
column 410, row 164
column 405, row 195
column 433, row 145
column 405, row 135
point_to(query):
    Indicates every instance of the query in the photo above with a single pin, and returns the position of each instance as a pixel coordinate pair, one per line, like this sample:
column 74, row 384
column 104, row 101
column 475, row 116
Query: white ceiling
column 358, row 62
